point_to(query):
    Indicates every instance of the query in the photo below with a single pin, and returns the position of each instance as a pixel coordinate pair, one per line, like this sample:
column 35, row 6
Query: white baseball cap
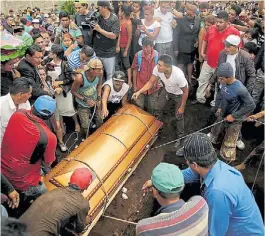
column 36, row 21
column 46, row 15
column 233, row 40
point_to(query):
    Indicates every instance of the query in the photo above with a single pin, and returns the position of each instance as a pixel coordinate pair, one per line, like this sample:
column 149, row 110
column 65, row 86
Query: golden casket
column 112, row 153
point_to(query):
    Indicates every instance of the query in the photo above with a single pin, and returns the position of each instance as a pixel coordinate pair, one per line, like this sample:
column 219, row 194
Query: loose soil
column 138, row 206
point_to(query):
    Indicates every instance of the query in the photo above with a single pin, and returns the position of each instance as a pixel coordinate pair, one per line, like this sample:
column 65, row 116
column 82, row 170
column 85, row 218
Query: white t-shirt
column 166, row 32
column 150, row 28
column 116, row 97
column 8, row 108
column 175, row 82
column 231, row 59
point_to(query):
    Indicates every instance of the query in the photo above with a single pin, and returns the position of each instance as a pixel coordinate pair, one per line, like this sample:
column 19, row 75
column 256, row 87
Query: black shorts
column 186, row 58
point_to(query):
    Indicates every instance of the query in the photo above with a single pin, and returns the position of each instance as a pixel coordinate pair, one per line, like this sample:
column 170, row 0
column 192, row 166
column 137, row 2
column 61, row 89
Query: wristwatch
column 99, row 99
column 84, row 99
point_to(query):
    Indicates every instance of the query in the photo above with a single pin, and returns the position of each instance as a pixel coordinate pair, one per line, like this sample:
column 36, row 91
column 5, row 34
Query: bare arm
column 99, row 88
column 78, row 81
column 148, row 85
column 105, row 96
column 124, row 100
column 154, row 34
column 241, row 28
column 203, row 49
column 70, row 49
column 129, row 31
column 201, row 36
column 177, row 14
column 184, row 97
column 134, row 79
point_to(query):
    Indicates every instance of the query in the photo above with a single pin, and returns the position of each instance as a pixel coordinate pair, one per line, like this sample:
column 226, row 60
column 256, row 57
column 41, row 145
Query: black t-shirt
column 103, row 46
column 87, row 33
column 6, row 82
column 237, row 22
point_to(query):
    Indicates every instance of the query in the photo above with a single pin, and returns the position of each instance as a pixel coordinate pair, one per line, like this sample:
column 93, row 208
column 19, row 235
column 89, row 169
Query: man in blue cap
column 27, row 144
column 175, row 217
column 233, row 103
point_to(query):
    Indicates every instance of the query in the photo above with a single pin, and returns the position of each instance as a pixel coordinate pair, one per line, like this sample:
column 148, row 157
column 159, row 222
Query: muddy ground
column 138, row 206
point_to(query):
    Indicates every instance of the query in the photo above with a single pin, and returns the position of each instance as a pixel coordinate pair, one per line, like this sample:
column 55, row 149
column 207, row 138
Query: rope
column 162, row 145
column 173, row 141
column 257, row 173
column 117, row 219
column 102, row 186
column 75, row 140
column 90, row 120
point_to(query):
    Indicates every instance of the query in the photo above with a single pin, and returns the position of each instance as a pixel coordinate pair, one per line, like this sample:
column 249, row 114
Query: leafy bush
column 68, row 6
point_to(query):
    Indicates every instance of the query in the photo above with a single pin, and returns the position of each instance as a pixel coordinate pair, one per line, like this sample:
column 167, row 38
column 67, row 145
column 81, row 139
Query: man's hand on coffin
column 135, row 95
column 147, row 186
column 104, row 112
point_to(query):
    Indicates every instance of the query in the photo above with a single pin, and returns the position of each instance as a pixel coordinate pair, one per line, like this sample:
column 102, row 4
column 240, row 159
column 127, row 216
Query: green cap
column 167, row 178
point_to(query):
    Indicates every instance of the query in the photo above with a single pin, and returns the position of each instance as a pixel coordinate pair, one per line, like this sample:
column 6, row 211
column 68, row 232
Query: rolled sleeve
column 190, row 176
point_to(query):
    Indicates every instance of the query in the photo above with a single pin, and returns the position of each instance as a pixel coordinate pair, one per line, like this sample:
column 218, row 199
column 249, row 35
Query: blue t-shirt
column 234, row 99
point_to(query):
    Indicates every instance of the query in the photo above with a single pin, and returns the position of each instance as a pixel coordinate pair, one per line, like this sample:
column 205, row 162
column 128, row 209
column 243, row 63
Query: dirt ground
column 138, row 206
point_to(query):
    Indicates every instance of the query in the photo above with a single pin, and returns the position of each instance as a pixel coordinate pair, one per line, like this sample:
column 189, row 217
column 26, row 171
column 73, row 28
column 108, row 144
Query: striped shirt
column 74, row 60
column 180, row 218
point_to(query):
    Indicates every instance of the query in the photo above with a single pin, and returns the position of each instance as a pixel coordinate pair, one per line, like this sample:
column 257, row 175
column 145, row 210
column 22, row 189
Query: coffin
column 112, row 153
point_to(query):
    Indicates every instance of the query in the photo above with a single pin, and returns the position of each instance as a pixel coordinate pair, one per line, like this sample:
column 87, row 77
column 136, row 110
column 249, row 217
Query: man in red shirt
column 212, row 45
column 27, row 144
column 143, row 64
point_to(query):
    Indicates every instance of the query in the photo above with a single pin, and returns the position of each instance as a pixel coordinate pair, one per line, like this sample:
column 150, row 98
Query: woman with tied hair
column 62, row 80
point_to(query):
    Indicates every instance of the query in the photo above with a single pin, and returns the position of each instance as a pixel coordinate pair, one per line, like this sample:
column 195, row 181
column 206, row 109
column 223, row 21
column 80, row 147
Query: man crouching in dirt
column 174, row 87
column 233, row 103
column 175, row 217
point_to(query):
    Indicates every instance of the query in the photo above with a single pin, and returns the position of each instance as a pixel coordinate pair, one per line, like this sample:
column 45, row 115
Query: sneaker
column 63, row 147
column 240, row 145
column 212, row 103
column 195, row 102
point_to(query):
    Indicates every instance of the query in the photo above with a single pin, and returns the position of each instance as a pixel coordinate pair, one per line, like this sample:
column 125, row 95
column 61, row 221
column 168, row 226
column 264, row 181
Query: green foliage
column 68, row 6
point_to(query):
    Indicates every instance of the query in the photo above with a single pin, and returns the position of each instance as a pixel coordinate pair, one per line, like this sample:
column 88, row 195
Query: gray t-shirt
column 103, row 46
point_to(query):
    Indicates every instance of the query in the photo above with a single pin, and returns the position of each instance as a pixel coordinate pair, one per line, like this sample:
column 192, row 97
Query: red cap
column 81, row 177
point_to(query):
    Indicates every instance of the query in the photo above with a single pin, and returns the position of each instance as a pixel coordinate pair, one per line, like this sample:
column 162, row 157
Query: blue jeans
column 36, row 191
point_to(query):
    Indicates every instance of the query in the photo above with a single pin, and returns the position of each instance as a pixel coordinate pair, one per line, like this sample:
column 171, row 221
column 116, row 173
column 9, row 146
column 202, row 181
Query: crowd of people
column 88, row 65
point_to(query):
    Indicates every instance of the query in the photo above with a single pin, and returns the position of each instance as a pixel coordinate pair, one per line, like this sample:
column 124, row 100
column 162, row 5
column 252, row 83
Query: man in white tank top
column 114, row 94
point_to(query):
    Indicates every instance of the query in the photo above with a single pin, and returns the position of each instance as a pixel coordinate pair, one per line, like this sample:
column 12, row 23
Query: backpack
column 139, row 59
